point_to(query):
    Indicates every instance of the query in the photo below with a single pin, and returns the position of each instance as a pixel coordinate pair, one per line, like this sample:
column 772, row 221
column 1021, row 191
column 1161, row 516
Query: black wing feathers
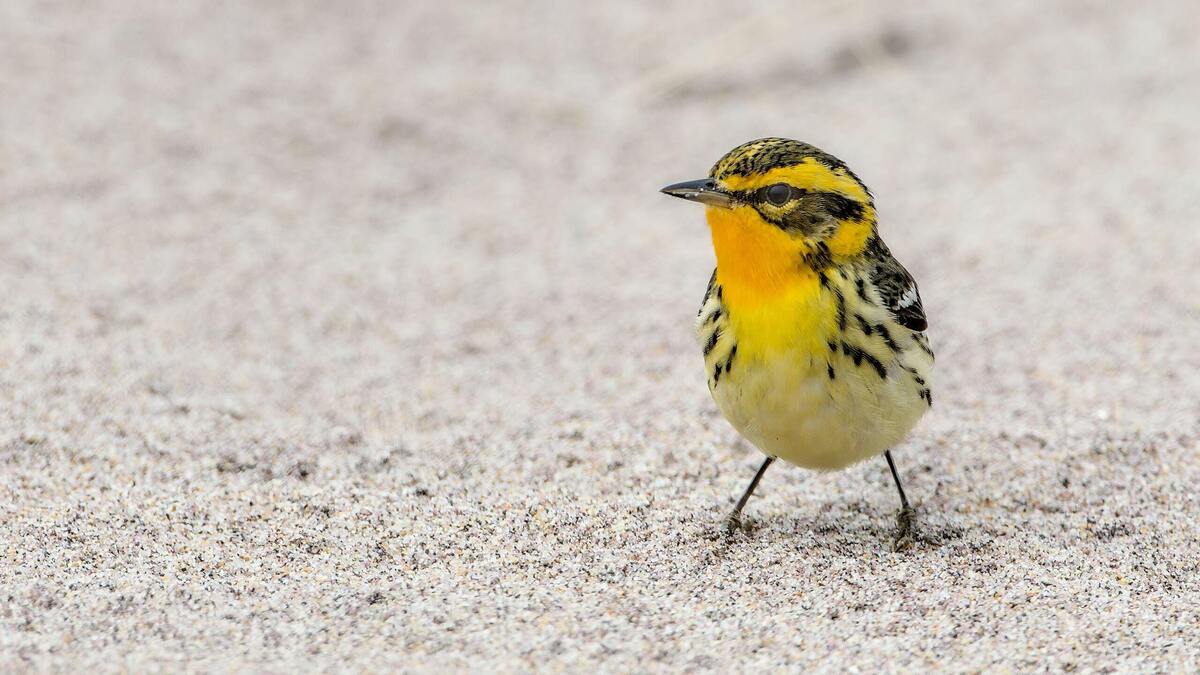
column 897, row 289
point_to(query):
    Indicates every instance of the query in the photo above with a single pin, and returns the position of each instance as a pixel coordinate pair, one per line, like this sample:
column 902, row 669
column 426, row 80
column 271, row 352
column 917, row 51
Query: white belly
column 843, row 383
column 791, row 409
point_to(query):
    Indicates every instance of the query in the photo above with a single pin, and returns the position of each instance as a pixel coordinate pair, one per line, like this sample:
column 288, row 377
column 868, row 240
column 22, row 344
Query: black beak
column 704, row 191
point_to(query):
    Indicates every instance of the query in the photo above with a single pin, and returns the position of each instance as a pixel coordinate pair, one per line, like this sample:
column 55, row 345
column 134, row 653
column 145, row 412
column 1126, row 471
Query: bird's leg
column 905, row 520
column 734, row 520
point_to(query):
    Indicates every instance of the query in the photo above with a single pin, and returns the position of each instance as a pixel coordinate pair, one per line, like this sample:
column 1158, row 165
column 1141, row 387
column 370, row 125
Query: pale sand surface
column 346, row 336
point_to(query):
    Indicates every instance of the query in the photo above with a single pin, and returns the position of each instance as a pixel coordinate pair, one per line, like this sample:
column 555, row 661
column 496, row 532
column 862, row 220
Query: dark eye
column 778, row 194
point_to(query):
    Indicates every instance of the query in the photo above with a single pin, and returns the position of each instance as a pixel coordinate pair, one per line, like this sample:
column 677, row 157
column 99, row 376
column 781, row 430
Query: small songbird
column 813, row 334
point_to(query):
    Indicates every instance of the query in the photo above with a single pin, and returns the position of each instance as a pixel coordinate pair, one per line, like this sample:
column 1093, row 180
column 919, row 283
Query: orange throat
column 756, row 261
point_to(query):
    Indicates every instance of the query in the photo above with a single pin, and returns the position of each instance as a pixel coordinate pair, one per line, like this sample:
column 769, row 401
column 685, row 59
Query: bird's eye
column 778, row 194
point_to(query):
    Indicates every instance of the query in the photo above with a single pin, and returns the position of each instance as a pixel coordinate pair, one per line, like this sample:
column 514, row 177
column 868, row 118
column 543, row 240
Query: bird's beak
column 706, row 191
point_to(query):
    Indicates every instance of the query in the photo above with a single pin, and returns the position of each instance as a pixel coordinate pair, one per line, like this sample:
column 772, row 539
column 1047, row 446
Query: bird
column 813, row 334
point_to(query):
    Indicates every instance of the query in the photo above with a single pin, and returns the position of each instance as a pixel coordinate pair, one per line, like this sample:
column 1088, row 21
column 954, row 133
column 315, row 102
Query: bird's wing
column 712, row 282
column 897, row 289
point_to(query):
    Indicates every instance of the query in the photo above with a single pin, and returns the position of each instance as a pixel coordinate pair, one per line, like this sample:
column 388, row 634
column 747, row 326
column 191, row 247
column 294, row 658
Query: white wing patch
column 909, row 298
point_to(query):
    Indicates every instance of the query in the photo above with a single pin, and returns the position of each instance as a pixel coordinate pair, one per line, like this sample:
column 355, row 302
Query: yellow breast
column 775, row 302
column 798, row 361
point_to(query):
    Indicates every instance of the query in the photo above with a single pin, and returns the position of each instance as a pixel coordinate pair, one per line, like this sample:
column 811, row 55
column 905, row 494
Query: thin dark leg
column 733, row 521
column 904, row 519
column 896, row 477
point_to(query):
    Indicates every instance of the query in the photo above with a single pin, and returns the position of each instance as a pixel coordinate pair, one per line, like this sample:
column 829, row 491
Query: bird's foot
column 906, row 529
column 732, row 523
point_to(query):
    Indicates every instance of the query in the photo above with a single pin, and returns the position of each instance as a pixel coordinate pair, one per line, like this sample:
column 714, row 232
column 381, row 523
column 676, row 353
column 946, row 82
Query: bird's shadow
column 845, row 528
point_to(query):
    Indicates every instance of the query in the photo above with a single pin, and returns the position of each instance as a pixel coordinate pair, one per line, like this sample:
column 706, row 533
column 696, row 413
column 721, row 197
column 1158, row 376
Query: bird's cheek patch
column 852, row 235
column 811, row 224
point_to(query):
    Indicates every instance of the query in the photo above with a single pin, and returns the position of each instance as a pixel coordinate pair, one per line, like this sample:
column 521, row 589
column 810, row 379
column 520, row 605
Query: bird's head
column 776, row 195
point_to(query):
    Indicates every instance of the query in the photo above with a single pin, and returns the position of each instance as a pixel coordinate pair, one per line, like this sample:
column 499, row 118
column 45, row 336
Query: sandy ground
column 347, row 336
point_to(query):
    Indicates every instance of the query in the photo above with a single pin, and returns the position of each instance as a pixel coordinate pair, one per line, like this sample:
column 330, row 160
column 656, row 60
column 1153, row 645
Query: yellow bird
column 813, row 334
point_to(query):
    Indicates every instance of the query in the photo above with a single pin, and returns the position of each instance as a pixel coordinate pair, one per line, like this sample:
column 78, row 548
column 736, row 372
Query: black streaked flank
column 829, row 366
column 729, row 359
column 860, row 355
column 841, row 309
column 867, row 329
column 887, row 337
column 854, row 353
column 923, row 343
column 712, row 341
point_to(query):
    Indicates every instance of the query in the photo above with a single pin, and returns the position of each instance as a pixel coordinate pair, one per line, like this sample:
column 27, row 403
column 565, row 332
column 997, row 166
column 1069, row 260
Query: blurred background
column 312, row 307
